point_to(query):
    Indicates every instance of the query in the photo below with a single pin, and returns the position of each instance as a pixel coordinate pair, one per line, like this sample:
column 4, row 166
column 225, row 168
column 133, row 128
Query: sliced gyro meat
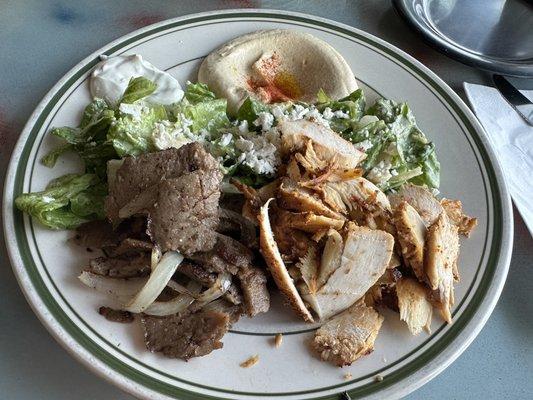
column 253, row 285
column 186, row 335
column 136, row 174
column 185, row 214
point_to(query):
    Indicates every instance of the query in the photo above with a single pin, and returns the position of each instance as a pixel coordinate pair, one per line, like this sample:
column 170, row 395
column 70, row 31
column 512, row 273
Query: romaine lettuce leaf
column 96, row 156
column 250, row 109
column 209, row 115
column 132, row 136
column 90, row 202
column 138, row 88
column 414, row 159
column 96, row 120
column 198, row 92
column 52, row 206
column 50, row 159
column 353, row 105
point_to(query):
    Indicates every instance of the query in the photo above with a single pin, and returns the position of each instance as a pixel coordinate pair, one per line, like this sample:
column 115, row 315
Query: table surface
column 41, row 40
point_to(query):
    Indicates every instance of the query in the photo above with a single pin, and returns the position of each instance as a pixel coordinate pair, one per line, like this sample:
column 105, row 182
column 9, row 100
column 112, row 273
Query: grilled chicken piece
column 394, row 261
column 360, row 200
column 411, row 233
column 421, row 199
column 277, row 267
column 364, row 259
column 297, row 198
column 415, row 308
column 328, row 145
column 331, row 257
column 308, row 266
column 310, row 222
column 454, row 210
column 359, row 192
column 383, row 292
column 349, row 335
column 292, row 243
column 310, row 160
column 442, row 251
column 252, row 200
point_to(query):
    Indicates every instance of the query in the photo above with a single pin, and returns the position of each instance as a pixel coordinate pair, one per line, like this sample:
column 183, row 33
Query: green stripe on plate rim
column 173, row 391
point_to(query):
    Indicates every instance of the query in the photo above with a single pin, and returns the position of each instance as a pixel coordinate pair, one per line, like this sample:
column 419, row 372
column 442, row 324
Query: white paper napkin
column 512, row 138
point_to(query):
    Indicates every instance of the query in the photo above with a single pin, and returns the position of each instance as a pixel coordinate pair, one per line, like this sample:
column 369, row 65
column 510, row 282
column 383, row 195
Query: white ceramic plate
column 47, row 266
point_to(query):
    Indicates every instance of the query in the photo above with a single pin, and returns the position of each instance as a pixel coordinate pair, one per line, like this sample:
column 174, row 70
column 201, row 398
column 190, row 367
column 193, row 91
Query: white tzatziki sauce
column 111, row 76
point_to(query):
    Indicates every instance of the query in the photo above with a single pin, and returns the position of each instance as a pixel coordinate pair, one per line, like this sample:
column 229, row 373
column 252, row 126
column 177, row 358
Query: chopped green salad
column 246, row 145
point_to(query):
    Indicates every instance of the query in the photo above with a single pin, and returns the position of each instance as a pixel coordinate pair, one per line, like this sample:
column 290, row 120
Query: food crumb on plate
column 250, row 362
column 378, row 378
column 347, row 376
column 278, row 340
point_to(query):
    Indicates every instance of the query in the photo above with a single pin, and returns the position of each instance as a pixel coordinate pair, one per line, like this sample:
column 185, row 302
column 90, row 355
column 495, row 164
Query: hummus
column 275, row 66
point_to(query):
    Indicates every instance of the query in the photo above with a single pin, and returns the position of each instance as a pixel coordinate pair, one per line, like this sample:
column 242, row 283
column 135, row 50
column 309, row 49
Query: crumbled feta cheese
column 135, row 110
column 264, row 120
column 364, row 145
column 259, row 152
column 201, row 136
column 47, row 199
column 226, row 139
column 327, row 113
column 297, row 112
column 243, row 127
column 380, row 173
column 277, row 112
column 167, row 135
column 341, row 114
column 393, row 172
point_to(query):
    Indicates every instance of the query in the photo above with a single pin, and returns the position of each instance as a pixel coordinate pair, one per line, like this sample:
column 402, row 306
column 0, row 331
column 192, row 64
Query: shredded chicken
column 310, row 222
column 349, row 335
column 364, row 259
column 278, row 340
column 415, row 308
column 411, row 233
column 454, row 210
column 277, row 267
column 442, row 252
column 296, row 198
column 421, row 199
column 328, row 145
